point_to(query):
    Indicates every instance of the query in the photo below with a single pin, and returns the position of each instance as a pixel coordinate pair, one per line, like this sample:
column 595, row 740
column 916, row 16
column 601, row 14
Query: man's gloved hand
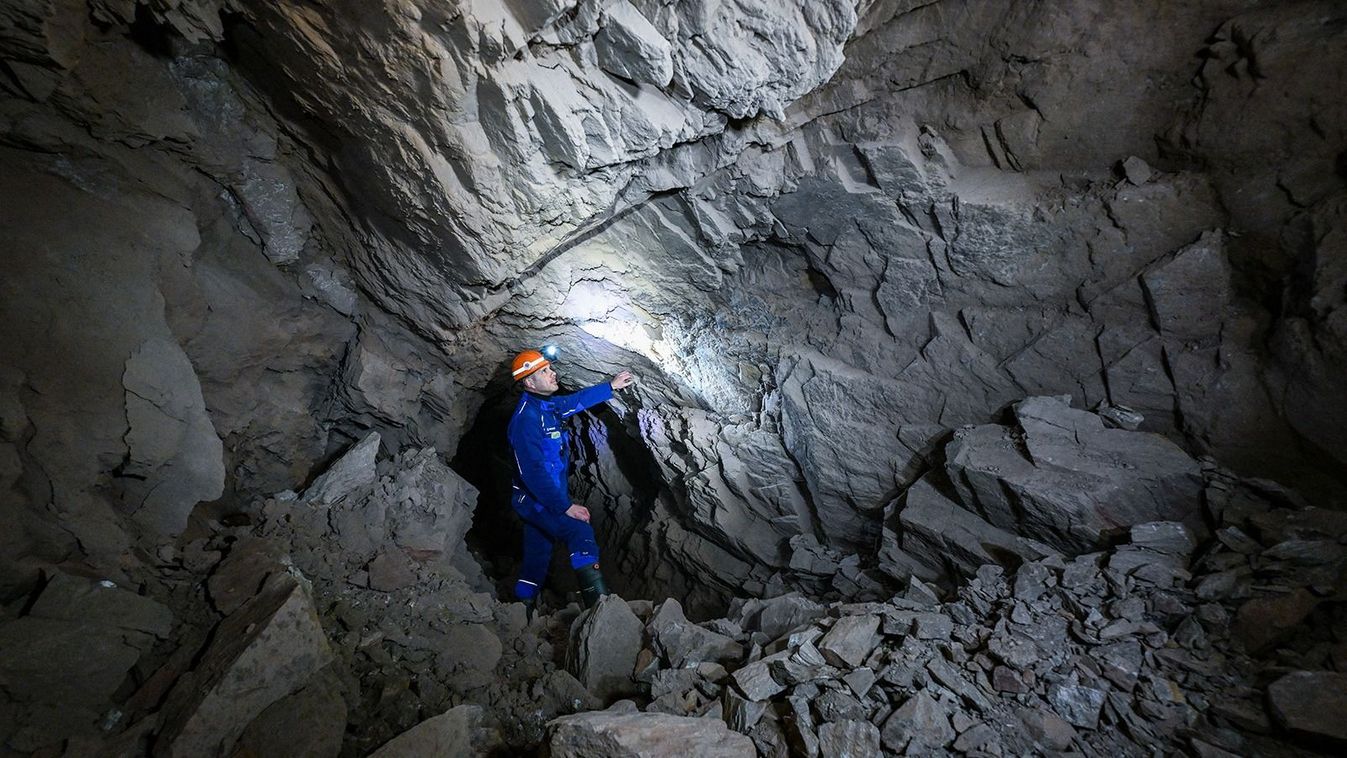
column 577, row 511
column 624, row 379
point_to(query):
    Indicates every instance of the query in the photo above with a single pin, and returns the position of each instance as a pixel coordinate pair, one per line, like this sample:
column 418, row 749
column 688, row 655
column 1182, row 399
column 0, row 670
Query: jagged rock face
column 240, row 235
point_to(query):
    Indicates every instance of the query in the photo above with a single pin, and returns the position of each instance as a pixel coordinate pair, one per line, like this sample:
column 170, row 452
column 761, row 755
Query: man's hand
column 624, row 379
column 577, row 511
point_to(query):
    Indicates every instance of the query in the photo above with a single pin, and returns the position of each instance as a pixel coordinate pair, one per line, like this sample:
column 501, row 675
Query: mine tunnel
column 986, row 378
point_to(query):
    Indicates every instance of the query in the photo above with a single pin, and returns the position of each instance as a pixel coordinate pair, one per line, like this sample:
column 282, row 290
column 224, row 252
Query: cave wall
column 824, row 235
column 176, row 329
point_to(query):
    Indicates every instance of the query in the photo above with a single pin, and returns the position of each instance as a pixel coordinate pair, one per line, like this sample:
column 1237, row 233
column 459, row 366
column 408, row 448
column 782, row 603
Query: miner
column 540, row 494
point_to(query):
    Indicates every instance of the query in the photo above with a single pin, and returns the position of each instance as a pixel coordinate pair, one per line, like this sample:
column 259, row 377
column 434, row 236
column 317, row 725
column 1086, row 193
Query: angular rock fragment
column 850, row 640
column 644, row 735
column 939, row 534
column 1120, row 663
column 848, row 739
column 1077, row 704
column 778, row 615
column 809, row 557
column 1263, row 622
column 742, row 714
column 353, row 472
column 1136, row 170
column 431, row 506
column 955, row 681
column 630, row 47
column 681, row 642
column 801, row 732
column 1047, row 729
column 977, row 737
column 755, row 680
column 454, row 732
column 1311, row 705
column 860, row 680
column 1069, row 480
column 265, row 650
column 919, row 724
column 241, row 574
column 564, row 694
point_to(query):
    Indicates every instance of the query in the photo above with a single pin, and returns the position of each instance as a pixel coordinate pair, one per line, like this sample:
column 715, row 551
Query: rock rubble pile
column 1210, row 644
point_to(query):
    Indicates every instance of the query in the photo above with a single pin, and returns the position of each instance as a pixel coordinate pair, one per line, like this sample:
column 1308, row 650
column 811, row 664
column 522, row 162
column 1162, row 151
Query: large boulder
column 1060, row 475
column 267, row 649
column 1311, row 705
column 429, row 505
column 605, row 643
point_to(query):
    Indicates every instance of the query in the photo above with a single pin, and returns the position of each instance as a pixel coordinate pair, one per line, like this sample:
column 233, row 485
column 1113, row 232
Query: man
column 541, row 496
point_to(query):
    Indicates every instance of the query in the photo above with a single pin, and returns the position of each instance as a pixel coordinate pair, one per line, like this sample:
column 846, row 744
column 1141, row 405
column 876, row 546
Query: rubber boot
column 592, row 586
column 530, row 609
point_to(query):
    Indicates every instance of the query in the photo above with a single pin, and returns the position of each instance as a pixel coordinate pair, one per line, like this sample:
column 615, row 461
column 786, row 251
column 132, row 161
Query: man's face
column 542, row 382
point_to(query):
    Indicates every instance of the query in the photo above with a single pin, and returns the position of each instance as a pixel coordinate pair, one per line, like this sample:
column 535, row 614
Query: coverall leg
column 541, row 530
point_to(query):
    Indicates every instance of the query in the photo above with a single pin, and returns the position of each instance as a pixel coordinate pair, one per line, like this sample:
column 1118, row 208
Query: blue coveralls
column 540, row 495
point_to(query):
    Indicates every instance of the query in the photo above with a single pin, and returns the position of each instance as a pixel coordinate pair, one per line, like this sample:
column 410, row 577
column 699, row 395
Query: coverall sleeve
column 569, row 405
column 526, row 438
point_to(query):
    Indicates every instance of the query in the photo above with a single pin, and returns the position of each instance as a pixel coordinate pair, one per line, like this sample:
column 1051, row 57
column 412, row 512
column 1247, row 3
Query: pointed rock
column 606, row 645
column 265, row 650
column 454, row 732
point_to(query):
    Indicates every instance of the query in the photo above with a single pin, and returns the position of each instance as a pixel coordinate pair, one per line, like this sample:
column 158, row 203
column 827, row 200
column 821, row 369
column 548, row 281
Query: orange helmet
column 526, row 363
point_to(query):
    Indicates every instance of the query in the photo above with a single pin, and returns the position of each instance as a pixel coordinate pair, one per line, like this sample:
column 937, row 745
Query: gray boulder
column 630, row 47
column 1066, row 478
column 264, row 651
column 850, row 640
column 681, row 642
column 431, row 506
column 454, row 732
column 778, row 615
column 945, row 538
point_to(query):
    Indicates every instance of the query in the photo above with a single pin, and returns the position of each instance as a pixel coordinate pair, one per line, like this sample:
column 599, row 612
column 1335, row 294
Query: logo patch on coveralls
column 555, row 435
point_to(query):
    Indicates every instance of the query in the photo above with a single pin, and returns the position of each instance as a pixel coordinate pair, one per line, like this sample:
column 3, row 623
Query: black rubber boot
column 592, row 586
column 530, row 609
